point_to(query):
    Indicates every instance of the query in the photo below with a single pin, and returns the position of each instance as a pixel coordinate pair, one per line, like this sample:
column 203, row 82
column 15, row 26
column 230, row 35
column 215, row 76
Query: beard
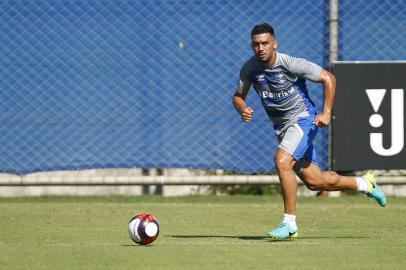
column 264, row 60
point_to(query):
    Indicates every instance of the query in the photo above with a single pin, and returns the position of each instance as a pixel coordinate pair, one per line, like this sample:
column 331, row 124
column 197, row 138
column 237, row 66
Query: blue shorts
column 297, row 139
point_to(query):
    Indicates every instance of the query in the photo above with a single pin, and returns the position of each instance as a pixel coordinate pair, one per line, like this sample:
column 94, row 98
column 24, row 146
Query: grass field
column 200, row 232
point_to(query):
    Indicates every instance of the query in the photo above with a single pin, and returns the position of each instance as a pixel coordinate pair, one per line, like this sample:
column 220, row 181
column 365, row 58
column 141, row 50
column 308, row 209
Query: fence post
column 332, row 56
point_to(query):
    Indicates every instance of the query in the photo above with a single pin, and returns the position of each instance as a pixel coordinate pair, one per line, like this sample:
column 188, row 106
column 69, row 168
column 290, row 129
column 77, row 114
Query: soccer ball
column 143, row 229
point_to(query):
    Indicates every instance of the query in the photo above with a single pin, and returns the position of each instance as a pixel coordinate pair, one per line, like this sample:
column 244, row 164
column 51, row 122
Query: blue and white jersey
column 281, row 87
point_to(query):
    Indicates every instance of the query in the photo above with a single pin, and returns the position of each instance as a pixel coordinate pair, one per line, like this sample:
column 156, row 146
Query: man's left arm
column 328, row 80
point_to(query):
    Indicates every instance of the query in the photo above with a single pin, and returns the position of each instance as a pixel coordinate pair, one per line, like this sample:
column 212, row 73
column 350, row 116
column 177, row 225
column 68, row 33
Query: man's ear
column 275, row 44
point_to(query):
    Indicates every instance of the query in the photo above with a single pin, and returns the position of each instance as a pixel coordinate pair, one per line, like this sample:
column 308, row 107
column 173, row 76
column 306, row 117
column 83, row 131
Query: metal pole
column 333, row 31
column 332, row 56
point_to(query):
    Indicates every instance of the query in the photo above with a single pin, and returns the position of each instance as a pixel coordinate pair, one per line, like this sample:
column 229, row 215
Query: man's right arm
column 240, row 106
column 244, row 85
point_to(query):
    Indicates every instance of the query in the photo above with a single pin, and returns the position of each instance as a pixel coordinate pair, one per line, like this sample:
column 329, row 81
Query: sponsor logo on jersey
column 277, row 95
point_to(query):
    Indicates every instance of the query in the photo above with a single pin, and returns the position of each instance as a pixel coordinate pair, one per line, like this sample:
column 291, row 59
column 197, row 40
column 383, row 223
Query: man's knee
column 282, row 162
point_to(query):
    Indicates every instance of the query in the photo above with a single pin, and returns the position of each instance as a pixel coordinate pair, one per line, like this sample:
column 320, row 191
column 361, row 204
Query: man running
column 280, row 82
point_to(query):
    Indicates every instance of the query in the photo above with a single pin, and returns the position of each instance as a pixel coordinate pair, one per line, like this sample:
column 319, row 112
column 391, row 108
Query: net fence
column 148, row 84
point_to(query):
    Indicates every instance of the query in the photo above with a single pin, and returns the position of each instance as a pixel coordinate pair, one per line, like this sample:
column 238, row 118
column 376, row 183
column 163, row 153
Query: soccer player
column 280, row 82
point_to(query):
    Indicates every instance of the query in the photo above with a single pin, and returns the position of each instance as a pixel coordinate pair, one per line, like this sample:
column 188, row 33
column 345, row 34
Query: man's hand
column 246, row 114
column 240, row 106
column 323, row 119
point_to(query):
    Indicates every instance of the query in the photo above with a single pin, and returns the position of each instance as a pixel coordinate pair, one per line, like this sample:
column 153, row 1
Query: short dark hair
column 262, row 29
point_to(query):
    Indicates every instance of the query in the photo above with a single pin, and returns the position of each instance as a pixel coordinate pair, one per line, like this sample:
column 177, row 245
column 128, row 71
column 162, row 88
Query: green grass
column 200, row 232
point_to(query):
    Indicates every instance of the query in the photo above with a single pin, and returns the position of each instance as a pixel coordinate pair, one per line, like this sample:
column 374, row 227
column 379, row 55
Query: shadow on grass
column 221, row 236
column 240, row 237
column 254, row 238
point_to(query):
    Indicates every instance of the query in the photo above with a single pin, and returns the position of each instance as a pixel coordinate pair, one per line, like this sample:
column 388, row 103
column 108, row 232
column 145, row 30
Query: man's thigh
column 297, row 140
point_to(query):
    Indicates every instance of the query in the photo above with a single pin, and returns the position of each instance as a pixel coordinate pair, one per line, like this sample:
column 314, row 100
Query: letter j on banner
column 397, row 121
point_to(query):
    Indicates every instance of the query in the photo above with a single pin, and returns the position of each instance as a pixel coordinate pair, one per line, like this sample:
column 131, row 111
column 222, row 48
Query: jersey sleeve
column 304, row 68
column 244, row 83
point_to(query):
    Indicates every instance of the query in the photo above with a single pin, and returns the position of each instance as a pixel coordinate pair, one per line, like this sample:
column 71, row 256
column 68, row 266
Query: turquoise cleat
column 374, row 191
column 283, row 232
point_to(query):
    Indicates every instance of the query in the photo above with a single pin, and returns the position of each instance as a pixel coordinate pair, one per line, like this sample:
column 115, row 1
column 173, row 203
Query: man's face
column 264, row 46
